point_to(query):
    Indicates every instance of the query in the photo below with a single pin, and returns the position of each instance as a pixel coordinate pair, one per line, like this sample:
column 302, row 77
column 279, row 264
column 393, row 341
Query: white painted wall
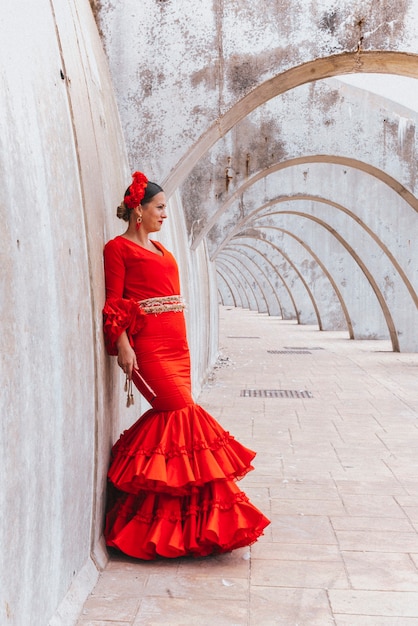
column 216, row 98
column 62, row 165
column 63, row 170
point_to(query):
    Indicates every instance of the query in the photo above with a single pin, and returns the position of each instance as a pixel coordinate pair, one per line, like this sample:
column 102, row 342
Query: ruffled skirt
column 172, row 478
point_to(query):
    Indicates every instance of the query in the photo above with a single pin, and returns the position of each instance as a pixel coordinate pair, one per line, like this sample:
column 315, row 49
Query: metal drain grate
column 301, row 351
column 303, row 348
column 274, row 393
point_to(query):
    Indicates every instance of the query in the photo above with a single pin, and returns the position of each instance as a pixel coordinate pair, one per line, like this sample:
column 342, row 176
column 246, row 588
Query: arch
column 267, row 279
column 385, row 309
column 348, row 162
column 254, row 278
column 238, row 266
column 308, row 290
column 254, row 215
column 238, row 284
column 279, row 275
column 227, row 287
column 374, row 61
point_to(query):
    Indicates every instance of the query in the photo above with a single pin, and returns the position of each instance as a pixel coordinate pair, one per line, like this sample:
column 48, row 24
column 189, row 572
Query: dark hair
column 151, row 190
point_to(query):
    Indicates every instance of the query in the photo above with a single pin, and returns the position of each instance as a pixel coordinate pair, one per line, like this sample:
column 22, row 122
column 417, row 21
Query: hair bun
column 123, row 212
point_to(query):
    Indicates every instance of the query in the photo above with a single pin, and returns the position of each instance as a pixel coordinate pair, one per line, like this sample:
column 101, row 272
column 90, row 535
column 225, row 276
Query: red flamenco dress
column 172, row 477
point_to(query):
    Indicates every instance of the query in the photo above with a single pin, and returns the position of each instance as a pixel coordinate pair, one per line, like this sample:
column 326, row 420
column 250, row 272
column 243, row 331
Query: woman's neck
column 141, row 237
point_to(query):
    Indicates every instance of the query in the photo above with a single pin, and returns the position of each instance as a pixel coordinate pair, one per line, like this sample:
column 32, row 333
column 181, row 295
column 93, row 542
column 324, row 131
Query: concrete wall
column 219, row 98
column 186, row 73
column 343, row 196
column 300, row 190
column 62, row 167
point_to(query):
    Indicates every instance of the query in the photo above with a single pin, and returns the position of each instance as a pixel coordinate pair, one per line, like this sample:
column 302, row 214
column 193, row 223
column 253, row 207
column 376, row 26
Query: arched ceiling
column 383, row 62
column 326, row 165
column 302, row 188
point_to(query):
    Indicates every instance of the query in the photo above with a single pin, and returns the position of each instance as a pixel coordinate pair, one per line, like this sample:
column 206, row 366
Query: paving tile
column 372, row 523
column 137, row 567
column 289, row 607
column 309, row 574
column 407, row 501
column 397, row 604
column 411, row 512
column 381, row 571
column 364, row 620
column 372, row 506
column 411, row 486
column 306, row 490
column 110, row 607
column 302, row 529
column 375, row 470
column 89, row 622
column 197, row 586
column 189, row 612
column 295, row 552
column 378, row 541
column 307, row 507
column 234, row 564
column 389, row 486
column 119, row 583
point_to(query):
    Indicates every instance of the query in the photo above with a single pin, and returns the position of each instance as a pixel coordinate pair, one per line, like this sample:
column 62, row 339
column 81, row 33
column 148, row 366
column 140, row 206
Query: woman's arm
column 126, row 355
column 119, row 314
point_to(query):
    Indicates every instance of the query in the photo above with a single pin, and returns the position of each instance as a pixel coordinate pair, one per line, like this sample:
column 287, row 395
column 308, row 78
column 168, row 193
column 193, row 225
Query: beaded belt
column 163, row 304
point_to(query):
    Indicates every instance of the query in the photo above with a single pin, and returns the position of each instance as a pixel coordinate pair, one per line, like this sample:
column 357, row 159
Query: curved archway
column 246, row 261
column 274, row 292
column 239, row 283
column 365, row 270
column 307, row 288
column 346, row 161
column 383, row 62
column 258, row 214
column 249, row 279
column 228, row 287
column 225, row 286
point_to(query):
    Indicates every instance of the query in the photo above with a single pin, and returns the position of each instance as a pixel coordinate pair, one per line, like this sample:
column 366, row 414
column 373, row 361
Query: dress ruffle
column 173, row 489
column 121, row 314
column 172, row 451
column 214, row 519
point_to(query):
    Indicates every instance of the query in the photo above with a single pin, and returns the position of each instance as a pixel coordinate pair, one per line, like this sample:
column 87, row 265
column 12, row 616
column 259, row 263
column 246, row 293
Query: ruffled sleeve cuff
column 120, row 314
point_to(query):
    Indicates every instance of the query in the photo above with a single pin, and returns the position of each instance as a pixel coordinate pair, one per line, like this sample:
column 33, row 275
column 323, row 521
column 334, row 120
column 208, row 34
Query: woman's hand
column 126, row 355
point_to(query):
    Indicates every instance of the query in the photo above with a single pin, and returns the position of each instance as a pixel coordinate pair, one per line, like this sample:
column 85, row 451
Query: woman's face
column 154, row 213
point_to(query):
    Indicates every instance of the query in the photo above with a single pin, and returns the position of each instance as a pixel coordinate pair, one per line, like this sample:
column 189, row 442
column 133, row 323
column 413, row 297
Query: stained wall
column 240, row 108
column 62, row 166
column 274, row 171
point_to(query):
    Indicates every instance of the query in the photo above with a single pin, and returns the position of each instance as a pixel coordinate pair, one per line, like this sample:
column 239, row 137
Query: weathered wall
column 341, row 194
column 184, row 72
column 220, row 98
column 62, row 166
column 197, row 85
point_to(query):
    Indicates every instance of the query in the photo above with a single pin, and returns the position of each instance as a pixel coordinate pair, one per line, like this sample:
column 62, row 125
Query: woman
column 172, row 489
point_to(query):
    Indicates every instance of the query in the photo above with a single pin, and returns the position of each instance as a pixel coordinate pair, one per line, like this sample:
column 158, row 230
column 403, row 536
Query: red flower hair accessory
column 136, row 190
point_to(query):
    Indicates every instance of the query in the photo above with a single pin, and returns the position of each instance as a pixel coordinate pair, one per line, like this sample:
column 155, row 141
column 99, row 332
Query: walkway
column 337, row 473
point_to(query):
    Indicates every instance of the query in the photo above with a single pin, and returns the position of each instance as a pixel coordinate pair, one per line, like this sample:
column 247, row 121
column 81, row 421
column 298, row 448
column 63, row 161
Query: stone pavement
column 337, row 474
